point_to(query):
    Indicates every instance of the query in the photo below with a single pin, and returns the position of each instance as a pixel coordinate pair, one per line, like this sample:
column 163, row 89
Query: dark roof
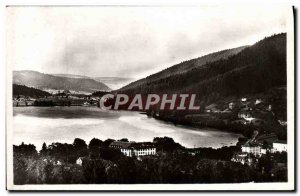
column 139, row 145
column 120, row 144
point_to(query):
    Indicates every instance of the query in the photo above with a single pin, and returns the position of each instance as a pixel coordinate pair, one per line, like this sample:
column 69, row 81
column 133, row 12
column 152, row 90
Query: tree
column 94, row 172
column 25, row 149
column 108, row 142
column 79, row 144
column 44, row 149
column 80, row 147
column 95, row 144
column 94, row 148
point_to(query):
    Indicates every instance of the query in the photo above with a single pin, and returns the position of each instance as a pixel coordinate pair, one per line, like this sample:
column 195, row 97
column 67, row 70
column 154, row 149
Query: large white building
column 252, row 149
column 279, row 146
column 134, row 149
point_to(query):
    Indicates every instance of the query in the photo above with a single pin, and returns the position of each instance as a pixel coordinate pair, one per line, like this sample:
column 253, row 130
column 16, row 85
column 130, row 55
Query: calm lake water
column 36, row 125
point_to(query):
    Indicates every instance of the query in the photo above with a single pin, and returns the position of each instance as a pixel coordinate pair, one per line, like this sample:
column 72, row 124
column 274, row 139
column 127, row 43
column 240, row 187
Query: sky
column 129, row 42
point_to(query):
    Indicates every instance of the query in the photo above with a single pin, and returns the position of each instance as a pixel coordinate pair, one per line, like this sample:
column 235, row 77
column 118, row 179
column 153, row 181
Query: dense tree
column 28, row 91
column 44, row 150
column 80, row 147
column 95, row 143
column 255, row 69
column 25, row 149
column 94, row 172
column 177, row 166
column 108, row 142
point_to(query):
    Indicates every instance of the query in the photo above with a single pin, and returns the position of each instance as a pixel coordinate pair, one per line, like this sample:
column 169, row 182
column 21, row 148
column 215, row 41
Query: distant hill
column 46, row 81
column 70, row 76
column 234, row 72
column 114, row 82
column 27, row 91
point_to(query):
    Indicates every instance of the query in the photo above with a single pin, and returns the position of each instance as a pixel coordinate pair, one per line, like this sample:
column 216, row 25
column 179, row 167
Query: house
column 193, row 151
column 245, row 113
column 257, row 101
column 242, row 158
column 123, row 146
column 264, row 151
column 143, row 149
column 283, row 123
column 79, row 161
column 251, row 148
column 231, row 105
column 279, row 146
column 243, row 99
column 269, row 108
column 21, row 102
column 66, row 92
column 30, row 102
column 134, row 149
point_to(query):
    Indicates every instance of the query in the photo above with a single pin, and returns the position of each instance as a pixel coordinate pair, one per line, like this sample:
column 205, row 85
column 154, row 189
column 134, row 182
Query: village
column 57, row 98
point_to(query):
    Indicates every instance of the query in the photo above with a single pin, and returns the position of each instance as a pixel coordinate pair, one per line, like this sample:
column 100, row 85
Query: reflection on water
column 62, row 124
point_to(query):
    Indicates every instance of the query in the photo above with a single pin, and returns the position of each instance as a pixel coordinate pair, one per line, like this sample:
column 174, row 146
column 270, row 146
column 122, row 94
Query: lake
column 36, row 125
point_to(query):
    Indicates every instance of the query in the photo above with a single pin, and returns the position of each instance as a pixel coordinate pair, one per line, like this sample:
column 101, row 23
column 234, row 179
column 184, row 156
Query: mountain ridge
column 47, row 81
column 253, row 69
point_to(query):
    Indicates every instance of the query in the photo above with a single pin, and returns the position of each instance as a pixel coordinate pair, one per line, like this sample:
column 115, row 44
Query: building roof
column 139, row 145
column 142, row 145
column 120, row 144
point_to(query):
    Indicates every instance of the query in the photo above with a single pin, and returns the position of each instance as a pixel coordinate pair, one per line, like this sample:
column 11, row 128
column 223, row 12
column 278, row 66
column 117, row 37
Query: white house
column 269, row 108
column 263, row 151
column 252, row 149
column 79, row 161
column 279, row 146
column 257, row 101
column 245, row 113
column 244, row 99
column 134, row 149
column 243, row 158
column 231, row 105
column 283, row 123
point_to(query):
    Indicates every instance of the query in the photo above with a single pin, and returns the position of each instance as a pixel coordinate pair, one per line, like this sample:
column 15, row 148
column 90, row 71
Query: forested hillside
column 254, row 69
column 27, row 91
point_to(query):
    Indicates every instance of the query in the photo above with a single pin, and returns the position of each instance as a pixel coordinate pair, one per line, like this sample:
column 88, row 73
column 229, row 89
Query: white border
column 241, row 186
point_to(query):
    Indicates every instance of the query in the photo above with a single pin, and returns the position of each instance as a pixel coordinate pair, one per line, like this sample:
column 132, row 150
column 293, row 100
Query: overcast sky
column 129, row 41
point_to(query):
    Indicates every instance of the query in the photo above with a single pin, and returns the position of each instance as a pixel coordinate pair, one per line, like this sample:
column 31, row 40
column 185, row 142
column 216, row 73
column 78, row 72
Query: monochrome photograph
column 192, row 98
